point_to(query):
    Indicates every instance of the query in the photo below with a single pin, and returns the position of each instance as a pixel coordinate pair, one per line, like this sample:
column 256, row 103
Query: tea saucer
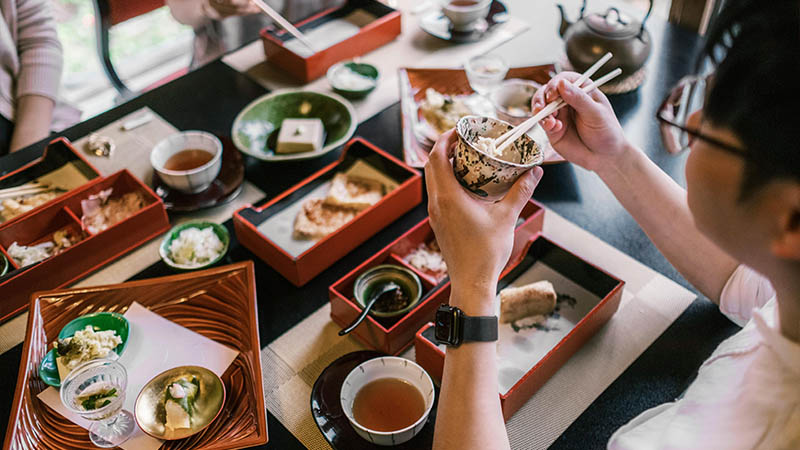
column 223, row 189
column 331, row 421
column 436, row 24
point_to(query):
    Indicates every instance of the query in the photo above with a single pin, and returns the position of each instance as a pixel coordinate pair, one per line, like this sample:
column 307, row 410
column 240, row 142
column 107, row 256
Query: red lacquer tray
column 394, row 335
column 601, row 295
column 218, row 303
column 299, row 268
column 384, row 28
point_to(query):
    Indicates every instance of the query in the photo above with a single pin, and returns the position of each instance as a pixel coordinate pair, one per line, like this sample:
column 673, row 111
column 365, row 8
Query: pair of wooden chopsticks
column 515, row 133
column 33, row 187
column 285, row 24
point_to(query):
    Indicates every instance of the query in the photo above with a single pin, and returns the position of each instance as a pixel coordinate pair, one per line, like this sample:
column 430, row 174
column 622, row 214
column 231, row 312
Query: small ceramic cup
column 192, row 180
column 483, row 174
column 387, row 367
column 512, row 100
column 463, row 14
column 408, row 281
column 353, row 80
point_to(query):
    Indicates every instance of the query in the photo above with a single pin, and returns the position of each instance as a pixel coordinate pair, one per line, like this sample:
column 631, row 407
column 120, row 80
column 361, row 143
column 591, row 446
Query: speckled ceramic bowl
column 485, row 175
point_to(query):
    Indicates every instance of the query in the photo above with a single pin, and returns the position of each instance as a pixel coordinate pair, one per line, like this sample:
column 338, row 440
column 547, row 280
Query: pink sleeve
column 745, row 290
column 39, row 49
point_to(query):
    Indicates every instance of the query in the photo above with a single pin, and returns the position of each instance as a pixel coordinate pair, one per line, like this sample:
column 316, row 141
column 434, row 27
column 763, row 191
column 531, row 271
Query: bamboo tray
column 218, row 303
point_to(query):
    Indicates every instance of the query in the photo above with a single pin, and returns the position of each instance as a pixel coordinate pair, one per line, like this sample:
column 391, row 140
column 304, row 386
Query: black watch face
column 446, row 330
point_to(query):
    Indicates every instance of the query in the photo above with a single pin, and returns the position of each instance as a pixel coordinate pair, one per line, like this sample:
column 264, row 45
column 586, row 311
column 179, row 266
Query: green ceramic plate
column 219, row 230
column 363, row 69
column 256, row 128
column 102, row 321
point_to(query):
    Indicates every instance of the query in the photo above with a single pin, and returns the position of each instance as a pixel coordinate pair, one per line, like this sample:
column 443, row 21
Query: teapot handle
column 646, row 16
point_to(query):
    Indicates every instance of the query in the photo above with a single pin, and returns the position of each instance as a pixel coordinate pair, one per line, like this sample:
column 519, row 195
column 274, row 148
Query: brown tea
column 464, row 3
column 388, row 404
column 188, row 159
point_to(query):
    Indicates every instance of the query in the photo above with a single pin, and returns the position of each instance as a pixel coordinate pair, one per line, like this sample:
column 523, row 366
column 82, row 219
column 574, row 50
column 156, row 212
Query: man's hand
column 221, row 9
column 475, row 236
column 586, row 132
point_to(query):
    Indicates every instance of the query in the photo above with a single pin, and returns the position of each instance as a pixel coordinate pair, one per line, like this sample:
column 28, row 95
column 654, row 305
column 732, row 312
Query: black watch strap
column 479, row 329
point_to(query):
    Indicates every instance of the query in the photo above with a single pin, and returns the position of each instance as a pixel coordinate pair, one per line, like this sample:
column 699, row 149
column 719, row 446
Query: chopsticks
column 33, row 187
column 515, row 133
column 285, row 24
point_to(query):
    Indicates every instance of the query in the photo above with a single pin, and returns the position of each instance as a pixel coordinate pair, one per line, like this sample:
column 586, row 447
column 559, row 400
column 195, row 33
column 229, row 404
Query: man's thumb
column 522, row 190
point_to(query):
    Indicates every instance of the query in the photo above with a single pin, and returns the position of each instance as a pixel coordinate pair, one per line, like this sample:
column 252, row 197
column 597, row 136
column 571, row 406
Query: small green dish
column 255, row 130
column 219, row 230
column 101, row 321
column 337, row 71
column 376, row 276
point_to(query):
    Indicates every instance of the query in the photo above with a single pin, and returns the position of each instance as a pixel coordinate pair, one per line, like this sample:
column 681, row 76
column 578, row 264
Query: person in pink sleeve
column 30, row 72
column 734, row 233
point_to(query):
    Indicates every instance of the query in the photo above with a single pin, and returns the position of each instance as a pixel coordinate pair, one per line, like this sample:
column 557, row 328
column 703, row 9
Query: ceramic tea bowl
column 486, row 175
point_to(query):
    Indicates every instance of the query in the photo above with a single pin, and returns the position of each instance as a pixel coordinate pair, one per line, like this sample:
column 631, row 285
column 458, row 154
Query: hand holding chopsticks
column 515, row 133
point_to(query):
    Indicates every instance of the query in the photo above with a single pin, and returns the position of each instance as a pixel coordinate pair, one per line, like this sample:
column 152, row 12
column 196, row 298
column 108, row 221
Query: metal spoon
column 389, row 287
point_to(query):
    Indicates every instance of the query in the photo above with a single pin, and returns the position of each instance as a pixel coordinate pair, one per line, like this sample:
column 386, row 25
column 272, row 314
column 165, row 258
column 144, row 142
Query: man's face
column 714, row 176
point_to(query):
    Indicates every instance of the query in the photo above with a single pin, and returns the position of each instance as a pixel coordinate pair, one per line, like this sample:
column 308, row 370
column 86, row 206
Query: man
column 741, row 210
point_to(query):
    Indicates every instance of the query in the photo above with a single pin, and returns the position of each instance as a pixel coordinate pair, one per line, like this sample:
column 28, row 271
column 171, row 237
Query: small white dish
column 464, row 13
column 387, row 367
column 193, row 180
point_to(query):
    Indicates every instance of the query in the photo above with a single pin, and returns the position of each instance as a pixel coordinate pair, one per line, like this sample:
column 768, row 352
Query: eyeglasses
column 686, row 98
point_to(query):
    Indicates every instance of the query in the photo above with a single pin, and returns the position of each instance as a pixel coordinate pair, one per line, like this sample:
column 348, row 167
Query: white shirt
column 745, row 396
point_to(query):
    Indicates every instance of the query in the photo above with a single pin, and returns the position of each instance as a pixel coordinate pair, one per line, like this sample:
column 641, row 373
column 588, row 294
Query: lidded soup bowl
column 482, row 171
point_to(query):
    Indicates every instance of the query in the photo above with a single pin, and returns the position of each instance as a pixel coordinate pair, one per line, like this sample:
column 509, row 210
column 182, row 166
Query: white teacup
column 387, row 367
column 463, row 14
column 192, row 180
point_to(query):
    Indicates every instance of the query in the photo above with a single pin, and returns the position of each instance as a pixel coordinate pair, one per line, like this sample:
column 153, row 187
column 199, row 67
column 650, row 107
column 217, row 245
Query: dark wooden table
column 209, row 99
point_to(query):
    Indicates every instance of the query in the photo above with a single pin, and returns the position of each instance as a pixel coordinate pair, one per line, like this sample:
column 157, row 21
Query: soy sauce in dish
column 463, row 3
column 391, row 301
column 188, row 159
column 388, row 404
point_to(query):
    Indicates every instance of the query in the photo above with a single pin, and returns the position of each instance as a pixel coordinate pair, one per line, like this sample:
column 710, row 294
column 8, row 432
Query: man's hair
column 755, row 48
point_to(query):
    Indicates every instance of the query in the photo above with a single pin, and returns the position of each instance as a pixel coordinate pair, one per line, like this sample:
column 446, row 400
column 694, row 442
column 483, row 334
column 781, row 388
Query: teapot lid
column 613, row 24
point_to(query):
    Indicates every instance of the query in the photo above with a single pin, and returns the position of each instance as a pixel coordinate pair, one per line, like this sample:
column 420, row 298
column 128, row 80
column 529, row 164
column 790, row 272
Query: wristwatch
column 453, row 327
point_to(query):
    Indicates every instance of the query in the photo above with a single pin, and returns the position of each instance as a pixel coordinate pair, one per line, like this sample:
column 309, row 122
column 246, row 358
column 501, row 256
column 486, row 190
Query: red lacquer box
column 393, row 335
column 64, row 212
column 587, row 298
column 267, row 230
column 377, row 25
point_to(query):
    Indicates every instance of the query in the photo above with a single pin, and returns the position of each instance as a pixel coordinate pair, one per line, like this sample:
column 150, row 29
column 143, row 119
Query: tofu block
column 300, row 135
column 176, row 416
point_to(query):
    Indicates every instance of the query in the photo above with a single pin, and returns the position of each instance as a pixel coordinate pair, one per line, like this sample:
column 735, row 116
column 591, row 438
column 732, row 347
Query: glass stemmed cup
column 85, row 391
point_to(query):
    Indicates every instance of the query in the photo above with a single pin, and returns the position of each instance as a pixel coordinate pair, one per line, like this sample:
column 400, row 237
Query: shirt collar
column 788, row 351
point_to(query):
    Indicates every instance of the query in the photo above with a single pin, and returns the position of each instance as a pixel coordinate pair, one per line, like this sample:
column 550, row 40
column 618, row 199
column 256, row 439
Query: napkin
column 155, row 344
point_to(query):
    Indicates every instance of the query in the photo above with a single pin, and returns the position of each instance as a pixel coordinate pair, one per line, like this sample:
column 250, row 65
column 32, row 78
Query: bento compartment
column 582, row 290
column 58, row 171
column 40, row 236
column 109, row 202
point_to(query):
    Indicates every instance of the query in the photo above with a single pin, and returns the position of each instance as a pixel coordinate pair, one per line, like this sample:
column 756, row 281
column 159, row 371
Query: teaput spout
column 564, row 22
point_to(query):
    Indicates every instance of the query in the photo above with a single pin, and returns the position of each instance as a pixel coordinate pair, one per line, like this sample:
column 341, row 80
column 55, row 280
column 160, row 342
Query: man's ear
column 787, row 243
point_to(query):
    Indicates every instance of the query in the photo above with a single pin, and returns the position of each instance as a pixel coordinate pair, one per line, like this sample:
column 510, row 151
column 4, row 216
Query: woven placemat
column 620, row 86
column 650, row 303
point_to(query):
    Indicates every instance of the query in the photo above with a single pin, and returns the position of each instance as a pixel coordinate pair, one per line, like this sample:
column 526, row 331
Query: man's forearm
column 469, row 414
column 660, row 207
column 32, row 120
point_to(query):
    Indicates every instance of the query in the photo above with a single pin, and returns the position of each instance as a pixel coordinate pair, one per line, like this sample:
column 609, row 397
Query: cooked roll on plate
column 529, row 300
